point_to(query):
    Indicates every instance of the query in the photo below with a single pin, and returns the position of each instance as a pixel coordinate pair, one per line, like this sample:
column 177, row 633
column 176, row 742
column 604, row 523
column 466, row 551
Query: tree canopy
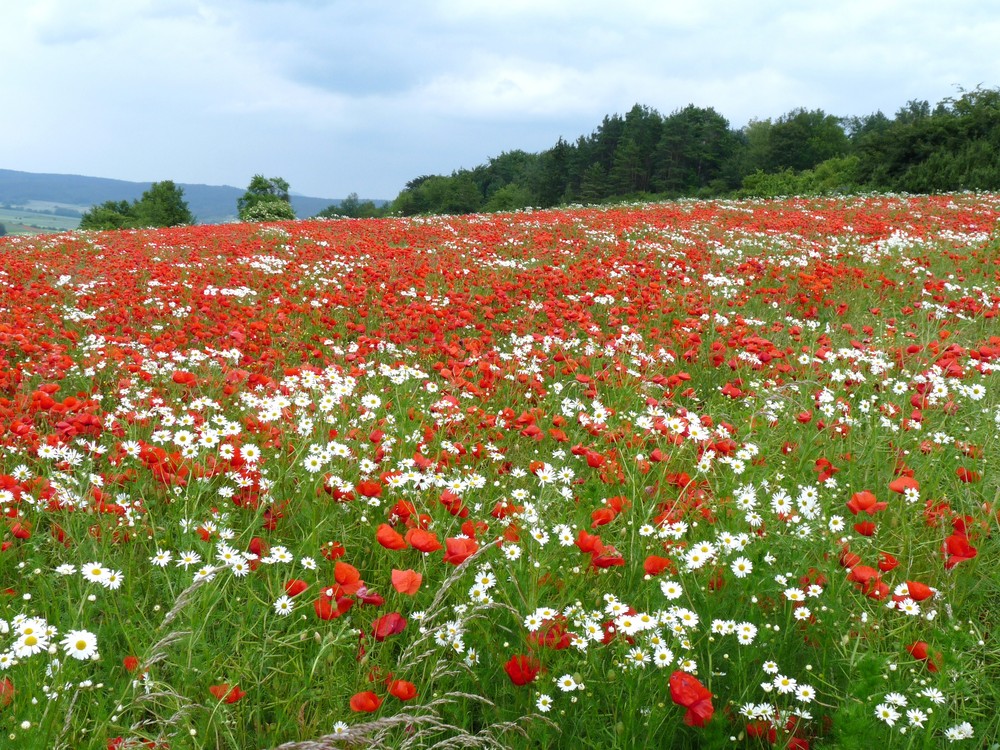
column 352, row 207
column 695, row 152
column 163, row 205
column 266, row 199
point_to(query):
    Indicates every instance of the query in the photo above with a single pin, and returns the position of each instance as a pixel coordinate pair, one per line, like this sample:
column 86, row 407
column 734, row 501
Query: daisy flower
column 80, row 644
column 94, row 572
column 162, row 558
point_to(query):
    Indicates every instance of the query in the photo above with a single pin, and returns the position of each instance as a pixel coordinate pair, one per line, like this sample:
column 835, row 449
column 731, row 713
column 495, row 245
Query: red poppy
column 389, row 538
column 369, row 488
column 919, row 591
column 365, row 702
column 330, row 609
column 654, row 565
column 458, row 550
column 226, row 693
column 390, row 624
column 182, row 377
column 957, row 549
column 406, row 581
column 865, row 528
column 348, row 577
column 865, row 502
column 904, row 483
column 423, row 541
column 686, row 690
column 967, row 475
column 521, row 669
column 295, row 586
column 920, row 650
column 403, row 690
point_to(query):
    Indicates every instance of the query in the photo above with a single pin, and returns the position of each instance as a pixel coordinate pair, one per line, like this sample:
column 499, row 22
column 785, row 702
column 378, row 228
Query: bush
column 273, row 210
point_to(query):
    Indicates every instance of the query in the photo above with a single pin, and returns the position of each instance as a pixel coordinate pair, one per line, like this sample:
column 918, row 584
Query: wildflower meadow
column 710, row 474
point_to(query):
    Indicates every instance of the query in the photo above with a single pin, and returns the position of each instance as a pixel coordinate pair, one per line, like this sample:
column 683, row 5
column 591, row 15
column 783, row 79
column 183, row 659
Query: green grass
column 26, row 221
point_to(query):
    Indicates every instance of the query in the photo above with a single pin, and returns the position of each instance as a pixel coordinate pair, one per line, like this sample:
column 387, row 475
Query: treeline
column 694, row 152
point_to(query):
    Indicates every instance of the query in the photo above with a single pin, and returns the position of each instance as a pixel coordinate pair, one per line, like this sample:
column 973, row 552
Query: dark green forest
column 695, row 152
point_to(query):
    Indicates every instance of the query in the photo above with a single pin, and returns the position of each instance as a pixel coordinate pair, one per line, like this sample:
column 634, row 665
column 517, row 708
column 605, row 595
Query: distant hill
column 211, row 204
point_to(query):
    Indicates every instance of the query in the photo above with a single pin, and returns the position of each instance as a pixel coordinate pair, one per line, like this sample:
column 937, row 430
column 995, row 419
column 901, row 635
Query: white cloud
column 342, row 95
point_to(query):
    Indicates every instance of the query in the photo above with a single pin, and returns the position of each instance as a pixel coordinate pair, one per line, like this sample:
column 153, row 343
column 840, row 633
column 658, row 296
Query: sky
column 341, row 96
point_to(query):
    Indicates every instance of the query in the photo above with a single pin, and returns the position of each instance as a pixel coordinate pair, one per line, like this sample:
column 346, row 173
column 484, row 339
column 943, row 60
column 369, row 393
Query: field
column 35, row 220
column 687, row 475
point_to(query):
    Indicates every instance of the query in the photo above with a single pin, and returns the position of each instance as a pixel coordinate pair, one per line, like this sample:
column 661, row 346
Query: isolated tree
column 3, row 230
column 265, row 190
column 163, row 205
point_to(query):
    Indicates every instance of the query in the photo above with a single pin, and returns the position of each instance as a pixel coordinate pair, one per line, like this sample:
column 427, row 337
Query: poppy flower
column 919, row 591
column 422, row 540
column 686, row 690
column 967, row 475
column 865, row 528
column 390, row 624
column 330, row 609
column 365, row 702
column 181, row 377
column 886, row 562
column 589, row 543
column 904, row 483
column 6, row 691
column 347, row 576
column 458, row 550
column 957, row 549
column 403, row 690
column 655, row 564
column 389, row 538
column 406, row 581
column 521, row 669
column 225, row 692
column 365, row 596
column 369, row 488
column 295, row 586
column 333, row 550
column 919, row 650
column 865, row 502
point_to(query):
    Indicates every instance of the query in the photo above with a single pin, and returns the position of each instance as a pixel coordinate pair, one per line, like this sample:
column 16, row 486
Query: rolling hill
column 66, row 194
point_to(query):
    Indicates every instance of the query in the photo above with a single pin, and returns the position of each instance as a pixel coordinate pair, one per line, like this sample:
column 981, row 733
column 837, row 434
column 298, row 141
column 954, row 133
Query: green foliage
column 266, row 199
column 457, row 194
column 352, row 207
column 3, row 230
column 955, row 146
column 761, row 184
column 163, row 205
column 694, row 152
column 803, row 138
column 108, row 215
column 273, row 210
column 509, row 198
column 836, row 175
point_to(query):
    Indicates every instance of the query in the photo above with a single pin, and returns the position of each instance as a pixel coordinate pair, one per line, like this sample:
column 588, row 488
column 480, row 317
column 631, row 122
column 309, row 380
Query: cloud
column 346, row 95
